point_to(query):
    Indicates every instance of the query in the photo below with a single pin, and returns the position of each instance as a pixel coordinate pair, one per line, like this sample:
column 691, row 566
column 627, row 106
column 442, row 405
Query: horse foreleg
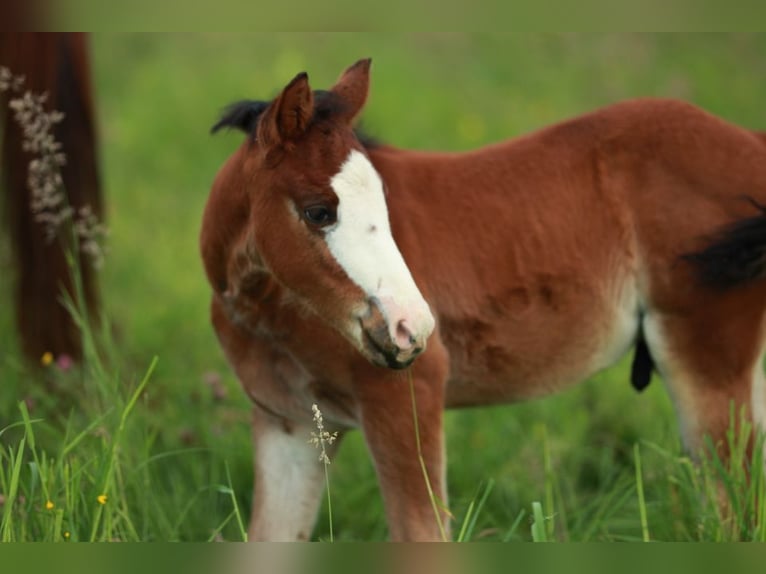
column 289, row 478
column 410, row 465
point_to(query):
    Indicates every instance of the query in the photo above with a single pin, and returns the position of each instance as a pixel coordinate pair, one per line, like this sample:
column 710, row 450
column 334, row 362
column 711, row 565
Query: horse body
column 574, row 242
column 542, row 259
column 543, row 294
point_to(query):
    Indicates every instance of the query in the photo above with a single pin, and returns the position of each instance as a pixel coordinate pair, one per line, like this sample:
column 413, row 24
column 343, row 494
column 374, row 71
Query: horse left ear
column 353, row 87
column 288, row 116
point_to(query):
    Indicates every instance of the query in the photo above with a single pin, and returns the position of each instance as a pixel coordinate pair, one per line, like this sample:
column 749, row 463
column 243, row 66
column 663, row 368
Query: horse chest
column 286, row 361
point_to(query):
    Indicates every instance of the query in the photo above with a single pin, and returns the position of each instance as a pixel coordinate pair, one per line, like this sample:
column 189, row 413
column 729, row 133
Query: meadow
column 152, row 442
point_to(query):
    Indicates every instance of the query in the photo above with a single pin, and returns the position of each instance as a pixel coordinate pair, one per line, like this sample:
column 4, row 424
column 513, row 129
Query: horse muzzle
column 392, row 335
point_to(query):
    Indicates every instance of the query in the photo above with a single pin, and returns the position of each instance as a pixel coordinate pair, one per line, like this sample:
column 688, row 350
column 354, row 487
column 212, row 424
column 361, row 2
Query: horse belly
column 546, row 349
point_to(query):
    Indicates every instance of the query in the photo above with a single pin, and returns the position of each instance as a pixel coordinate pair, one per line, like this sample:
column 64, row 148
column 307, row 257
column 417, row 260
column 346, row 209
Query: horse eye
column 319, row 215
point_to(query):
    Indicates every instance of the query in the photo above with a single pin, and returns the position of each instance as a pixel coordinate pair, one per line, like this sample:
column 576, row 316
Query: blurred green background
column 157, row 96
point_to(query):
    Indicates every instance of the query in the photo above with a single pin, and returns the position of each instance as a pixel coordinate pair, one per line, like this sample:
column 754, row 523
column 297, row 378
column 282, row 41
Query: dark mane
column 242, row 115
column 245, row 114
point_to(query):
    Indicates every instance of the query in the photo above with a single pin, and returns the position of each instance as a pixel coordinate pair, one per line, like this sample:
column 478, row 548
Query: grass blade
column 539, row 533
column 640, row 488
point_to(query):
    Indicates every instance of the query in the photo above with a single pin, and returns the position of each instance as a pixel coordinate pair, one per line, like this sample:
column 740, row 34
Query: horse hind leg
column 707, row 342
column 716, row 381
column 714, row 353
column 711, row 362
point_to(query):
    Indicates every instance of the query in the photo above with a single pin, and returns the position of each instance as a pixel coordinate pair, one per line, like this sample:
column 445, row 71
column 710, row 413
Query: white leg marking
column 362, row 243
column 758, row 396
column 758, row 400
column 291, row 480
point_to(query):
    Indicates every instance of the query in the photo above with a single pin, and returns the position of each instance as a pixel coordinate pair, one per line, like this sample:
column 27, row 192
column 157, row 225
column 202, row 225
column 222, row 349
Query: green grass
column 175, row 461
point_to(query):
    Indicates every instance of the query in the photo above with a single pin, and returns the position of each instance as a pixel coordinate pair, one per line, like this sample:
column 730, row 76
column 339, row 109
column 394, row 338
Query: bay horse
column 494, row 275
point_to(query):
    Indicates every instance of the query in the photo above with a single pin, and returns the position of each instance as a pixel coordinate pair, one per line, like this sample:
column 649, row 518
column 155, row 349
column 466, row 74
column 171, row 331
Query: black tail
column 736, row 255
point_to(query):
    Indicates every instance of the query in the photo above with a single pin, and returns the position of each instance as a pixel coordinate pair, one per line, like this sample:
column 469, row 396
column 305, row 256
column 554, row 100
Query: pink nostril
column 404, row 337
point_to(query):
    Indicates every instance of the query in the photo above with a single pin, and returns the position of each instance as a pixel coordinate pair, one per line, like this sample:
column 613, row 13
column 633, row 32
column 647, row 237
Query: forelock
column 244, row 115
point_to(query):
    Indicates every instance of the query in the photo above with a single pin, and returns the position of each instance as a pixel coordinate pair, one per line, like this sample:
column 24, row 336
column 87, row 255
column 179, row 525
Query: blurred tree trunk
column 58, row 64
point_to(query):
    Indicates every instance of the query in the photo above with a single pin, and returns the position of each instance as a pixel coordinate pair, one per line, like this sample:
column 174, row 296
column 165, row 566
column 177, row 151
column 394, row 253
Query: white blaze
column 362, row 243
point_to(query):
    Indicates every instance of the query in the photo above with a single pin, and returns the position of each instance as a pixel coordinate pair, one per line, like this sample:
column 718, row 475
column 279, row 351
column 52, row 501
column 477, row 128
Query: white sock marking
column 292, row 485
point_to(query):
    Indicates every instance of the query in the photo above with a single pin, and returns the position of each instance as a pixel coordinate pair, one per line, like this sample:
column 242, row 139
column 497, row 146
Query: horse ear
column 353, row 87
column 288, row 116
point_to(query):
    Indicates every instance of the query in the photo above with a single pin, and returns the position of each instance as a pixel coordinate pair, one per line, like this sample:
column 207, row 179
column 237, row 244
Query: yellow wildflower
column 66, row 535
column 47, row 358
column 49, row 505
column 101, row 498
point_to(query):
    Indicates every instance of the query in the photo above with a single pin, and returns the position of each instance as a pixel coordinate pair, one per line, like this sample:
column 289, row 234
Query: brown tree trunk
column 55, row 63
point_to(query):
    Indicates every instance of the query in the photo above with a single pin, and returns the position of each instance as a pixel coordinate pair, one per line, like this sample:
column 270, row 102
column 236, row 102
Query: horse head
column 314, row 218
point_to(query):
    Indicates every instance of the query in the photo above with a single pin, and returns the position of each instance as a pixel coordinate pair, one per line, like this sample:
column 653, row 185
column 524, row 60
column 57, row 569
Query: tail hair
column 736, row 255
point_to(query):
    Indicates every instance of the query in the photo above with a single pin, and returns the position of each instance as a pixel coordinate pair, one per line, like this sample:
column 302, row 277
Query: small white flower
column 322, row 437
column 48, row 200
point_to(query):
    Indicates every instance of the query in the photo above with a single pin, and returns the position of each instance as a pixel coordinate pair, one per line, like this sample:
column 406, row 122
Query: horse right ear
column 353, row 87
column 288, row 115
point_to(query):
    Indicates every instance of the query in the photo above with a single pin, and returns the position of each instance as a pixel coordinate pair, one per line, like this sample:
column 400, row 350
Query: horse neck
column 416, row 185
column 409, row 175
column 403, row 173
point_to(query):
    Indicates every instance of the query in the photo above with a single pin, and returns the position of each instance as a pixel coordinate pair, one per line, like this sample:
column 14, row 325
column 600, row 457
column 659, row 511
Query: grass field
column 178, row 467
